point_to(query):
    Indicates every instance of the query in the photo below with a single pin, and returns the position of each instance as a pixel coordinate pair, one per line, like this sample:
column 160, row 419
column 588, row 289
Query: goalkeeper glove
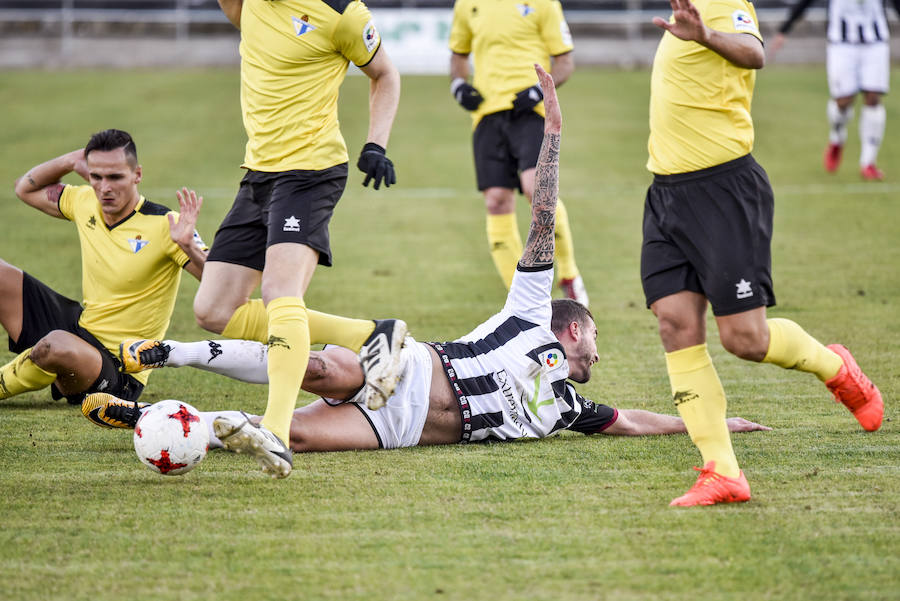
column 527, row 99
column 466, row 95
column 373, row 162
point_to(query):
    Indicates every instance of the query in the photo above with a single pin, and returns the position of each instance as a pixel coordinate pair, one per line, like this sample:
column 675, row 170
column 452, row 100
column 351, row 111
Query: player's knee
column 209, row 317
column 52, row 350
column 748, row 343
column 678, row 331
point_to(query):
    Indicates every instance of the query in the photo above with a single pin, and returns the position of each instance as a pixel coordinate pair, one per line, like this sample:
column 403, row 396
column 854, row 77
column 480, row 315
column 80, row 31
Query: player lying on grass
column 132, row 254
column 506, row 379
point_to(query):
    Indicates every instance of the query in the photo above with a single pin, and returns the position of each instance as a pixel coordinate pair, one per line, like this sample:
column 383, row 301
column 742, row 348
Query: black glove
column 373, row 162
column 527, row 99
column 466, row 95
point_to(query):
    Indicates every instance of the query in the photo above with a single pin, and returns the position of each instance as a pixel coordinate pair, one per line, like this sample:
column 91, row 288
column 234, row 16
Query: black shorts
column 710, row 231
column 270, row 208
column 504, row 145
column 45, row 310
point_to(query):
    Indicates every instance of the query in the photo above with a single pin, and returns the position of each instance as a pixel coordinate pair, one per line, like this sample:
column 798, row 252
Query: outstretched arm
column 637, row 422
column 742, row 49
column 539, row 247
column 41, row 188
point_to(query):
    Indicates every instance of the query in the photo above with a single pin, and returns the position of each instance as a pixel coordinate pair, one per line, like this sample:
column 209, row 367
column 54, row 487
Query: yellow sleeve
column 733, row 16
column 460, row 33
column 356, row 36
column 555, row 30
column 67, row 201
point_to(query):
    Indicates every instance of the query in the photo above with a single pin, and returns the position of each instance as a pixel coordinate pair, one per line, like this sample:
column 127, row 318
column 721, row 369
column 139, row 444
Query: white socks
column 243, row 360
column 837, row 121
column 871, row 132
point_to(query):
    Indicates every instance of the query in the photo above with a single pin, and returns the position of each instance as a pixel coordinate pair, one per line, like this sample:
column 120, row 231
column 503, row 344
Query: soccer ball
column 170, row 438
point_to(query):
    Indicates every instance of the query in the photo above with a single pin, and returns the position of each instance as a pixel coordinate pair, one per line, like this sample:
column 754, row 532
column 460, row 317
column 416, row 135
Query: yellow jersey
column 294, row 56
column 699, row 101
column 506, row 38
column 129, row 272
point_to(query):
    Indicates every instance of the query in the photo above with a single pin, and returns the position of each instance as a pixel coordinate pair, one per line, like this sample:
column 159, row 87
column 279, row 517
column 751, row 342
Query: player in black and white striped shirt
column 507, row 379
column 858, row 62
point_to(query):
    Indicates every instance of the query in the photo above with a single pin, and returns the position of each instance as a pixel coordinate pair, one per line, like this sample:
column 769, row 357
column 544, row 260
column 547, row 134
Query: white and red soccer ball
column 170, row 438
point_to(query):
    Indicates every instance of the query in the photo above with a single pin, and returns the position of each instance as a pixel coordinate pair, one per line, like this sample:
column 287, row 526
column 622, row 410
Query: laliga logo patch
column 301, row 25
column 743, row 21
column 137, row 244
column 551, row 359
column 370, row 36
column 524, row 9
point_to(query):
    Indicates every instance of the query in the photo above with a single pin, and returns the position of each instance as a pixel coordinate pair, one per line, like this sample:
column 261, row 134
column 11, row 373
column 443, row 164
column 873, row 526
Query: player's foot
column 239, row 435
column 711, row 488
column 111, row 412
column 857, row 392
column 832, row 158
column 137, row 354
column 574, row 288
column 871, row 173
column 381, row 361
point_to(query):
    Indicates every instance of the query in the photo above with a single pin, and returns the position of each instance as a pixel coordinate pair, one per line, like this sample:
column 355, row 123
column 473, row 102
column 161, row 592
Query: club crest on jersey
column 370, row 36
column 291, row 224
column 743, row 21
column 524, row 9
column 551, row 359
column 301, row 25
column 137, row 244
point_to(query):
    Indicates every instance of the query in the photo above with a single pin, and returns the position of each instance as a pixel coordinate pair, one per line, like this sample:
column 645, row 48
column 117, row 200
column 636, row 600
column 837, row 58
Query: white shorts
column 400, row 422
column 856, row 68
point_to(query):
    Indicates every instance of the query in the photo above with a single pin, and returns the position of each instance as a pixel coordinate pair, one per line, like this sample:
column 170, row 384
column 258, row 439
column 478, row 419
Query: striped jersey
column 849, row 21
column 509, row 373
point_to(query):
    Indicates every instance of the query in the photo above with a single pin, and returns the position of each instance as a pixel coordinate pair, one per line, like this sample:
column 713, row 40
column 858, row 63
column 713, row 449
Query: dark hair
column 565, row 311
column 111, row 139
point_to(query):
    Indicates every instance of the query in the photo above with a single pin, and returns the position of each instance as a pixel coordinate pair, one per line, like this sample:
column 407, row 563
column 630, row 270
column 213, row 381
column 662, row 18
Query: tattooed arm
column 539, row 248
column 41, row 188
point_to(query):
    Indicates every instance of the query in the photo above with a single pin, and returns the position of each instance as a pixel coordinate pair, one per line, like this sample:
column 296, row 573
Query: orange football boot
column 857, row 392
column 711, row 488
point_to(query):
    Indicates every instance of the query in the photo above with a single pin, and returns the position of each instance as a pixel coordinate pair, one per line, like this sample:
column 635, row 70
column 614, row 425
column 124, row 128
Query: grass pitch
column 572, row 517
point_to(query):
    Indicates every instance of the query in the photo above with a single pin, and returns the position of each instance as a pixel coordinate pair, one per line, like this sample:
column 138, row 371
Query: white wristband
column 454, row 85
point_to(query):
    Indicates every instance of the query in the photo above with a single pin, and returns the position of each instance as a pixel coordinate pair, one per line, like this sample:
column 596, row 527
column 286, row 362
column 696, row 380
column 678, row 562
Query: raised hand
column 688, row 25
column 182, row 231
column 553, row 116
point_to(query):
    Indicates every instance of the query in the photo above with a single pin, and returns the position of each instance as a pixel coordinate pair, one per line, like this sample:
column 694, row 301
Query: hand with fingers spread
column 189, row 203
column 687, row 25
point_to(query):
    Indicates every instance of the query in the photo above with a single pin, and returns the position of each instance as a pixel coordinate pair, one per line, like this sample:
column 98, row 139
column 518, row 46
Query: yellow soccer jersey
column 129, row 273
column 699, row 101
column 294, row 56
column 506, row 38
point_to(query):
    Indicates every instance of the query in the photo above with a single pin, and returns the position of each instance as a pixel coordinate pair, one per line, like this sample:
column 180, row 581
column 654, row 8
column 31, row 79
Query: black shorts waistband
column 465, row 411
column 679, row 178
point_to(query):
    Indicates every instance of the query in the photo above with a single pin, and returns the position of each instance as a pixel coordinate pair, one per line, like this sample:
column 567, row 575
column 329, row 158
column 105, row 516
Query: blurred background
column 134, row 33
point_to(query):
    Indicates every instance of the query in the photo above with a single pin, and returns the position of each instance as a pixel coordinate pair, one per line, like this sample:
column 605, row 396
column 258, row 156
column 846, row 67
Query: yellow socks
column 325, row 328
column 22, row 375
column 248, row 322
column 288, row 342
column 505, row 244
column 251, row 322
column 791, row 347
column 700, row 399
column 565, row 250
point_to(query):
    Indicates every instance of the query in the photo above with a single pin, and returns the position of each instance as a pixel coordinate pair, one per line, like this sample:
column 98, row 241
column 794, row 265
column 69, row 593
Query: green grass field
column 572, row 517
